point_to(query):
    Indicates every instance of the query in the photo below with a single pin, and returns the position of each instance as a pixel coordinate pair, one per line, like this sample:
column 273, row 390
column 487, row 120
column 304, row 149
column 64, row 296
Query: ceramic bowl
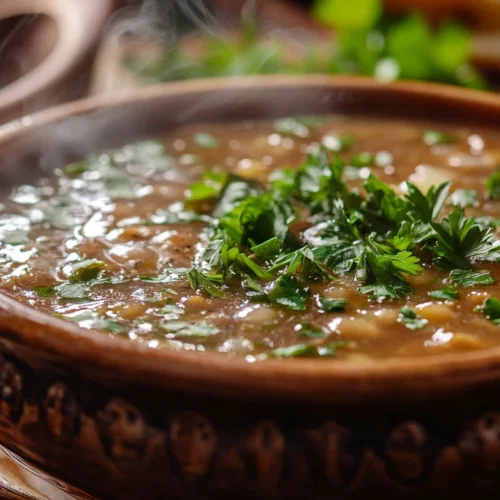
column 125, row 421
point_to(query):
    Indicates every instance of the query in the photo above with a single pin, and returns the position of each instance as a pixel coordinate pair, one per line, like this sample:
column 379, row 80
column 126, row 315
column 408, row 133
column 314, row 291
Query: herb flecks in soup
column 327, row 237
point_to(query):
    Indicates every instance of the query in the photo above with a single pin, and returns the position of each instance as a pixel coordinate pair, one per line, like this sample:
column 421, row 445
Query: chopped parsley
column 73, row 291
column 176, row 329
column 288, row 291
column 85, row 270
column 89, row 319
column 45, row 291
column 311, row 331
column 332, row 305
column 411, row 319
column 447, row 293
column 305, row 351
column 169, row 275
column 206, row 282
column 491, row 309
column 376, row 236
column 469, row 278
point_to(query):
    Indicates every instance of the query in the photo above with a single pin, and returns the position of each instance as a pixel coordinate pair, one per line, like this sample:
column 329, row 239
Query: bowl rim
column 213, row 372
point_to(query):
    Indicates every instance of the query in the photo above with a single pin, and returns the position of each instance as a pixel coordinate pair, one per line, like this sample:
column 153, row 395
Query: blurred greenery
column 367, row 42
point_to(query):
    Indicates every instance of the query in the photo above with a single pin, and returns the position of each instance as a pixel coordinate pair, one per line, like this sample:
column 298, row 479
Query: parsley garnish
column 379, row 238
column 73, row 291
column 86, row 270
column 311, row 331
column 469, row 278
column 91, row 319
column 447, row 293
column 491, row 309
column 332, row 305
column 45, row 291
column 206, row 282
column 184, row 329
column 461, row 241
column 288, row 291
column 411, row 319
column 305, row 351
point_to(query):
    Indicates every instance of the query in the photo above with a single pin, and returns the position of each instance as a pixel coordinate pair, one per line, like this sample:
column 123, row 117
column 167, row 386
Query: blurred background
column 122, row 44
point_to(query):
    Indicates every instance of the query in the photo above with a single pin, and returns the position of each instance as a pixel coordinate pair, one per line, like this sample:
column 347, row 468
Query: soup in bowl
column 310, row 251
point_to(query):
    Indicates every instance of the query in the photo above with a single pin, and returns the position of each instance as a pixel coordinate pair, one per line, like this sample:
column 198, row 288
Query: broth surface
column 95, row 244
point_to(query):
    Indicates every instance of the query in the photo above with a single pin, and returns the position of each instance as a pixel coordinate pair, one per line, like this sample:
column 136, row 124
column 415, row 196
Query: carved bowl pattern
column 128, row 422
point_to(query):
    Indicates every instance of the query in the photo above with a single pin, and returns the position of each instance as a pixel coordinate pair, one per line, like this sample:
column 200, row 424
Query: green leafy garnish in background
column 493, row 185
column 367, row 41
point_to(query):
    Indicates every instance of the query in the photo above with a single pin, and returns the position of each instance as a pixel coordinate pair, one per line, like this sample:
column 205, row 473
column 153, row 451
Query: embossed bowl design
column 125, row 421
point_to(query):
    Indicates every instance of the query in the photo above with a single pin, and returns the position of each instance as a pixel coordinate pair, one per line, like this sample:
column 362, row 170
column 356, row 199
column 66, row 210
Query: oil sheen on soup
column 331, row 237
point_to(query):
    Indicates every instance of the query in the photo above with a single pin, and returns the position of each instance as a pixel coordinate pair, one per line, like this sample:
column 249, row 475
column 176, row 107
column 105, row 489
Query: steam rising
column 159, row 21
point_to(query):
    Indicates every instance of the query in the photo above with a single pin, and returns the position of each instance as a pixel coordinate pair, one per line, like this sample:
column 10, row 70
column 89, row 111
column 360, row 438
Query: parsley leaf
column 461, row 241
column 311, row 331
column 268, row 248
column 89, row 319
column 469, row 278
column 205, row 282
column 45, row 291
column 288, row 291
column 447, row 293
column 185, row 329
column 332, row 305
column 169, row 275
column 491, row 309
column 305, row 351
column 73, row 291
column 85, row 270
column 427, row 207
column 208, row 188
column 411, row 319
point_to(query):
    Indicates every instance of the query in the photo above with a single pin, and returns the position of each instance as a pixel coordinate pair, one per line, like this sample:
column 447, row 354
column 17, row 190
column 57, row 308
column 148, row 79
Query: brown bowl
column 127, row 421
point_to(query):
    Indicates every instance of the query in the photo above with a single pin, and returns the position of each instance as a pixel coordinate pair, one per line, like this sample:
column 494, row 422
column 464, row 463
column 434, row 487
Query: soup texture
column 332, row 237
